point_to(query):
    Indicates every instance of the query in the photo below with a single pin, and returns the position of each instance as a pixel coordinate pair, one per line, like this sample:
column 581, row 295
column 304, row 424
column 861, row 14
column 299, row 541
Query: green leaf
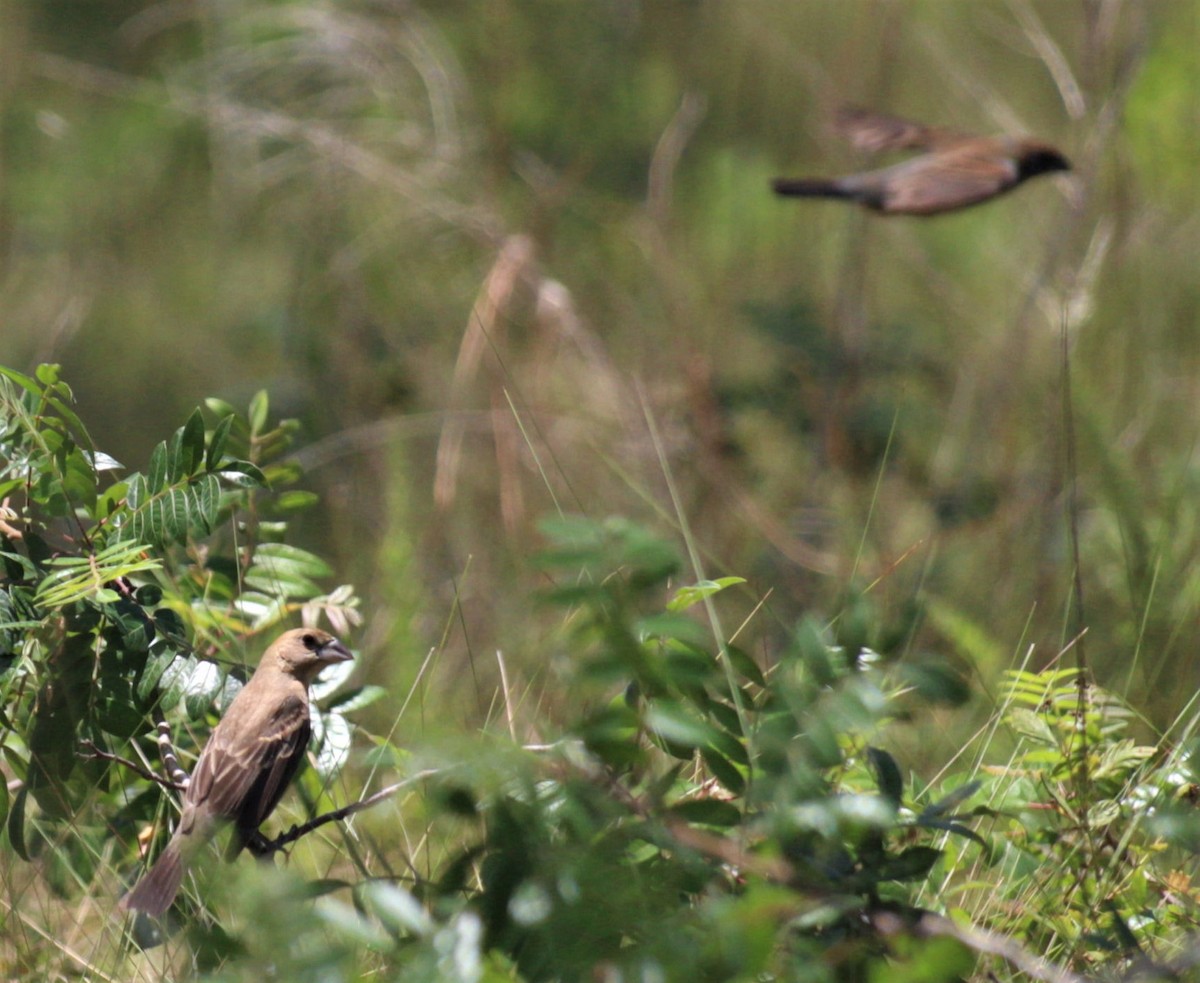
column 24, row 381
column 205, row 493
column 203, row 683
column 724, row 770
column 937, row 960
column 75, row 578
column 911, row 865
column 745, row 665
column 937, row 681
column 174, row 679
column 152, row 672
column 286, row 571
column 295, row 500
column 218, row 407
column 814, row 652
column 730, row 747
column 191, row 444
column 709, row 811
column 244, row 474
column 16, row 825
column 685, row 597
column 397, row 909
column 47, row 374
column 676, row 723
column 259, row 407
column 952, row 801
column 672, row 626
column 216, row 445
column 156, row 474
column 887, row 774
column 958, row 829
column 283, row 556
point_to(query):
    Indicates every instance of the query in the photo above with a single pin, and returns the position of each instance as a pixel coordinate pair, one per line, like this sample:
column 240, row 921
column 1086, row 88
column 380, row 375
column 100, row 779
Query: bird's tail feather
column 804, row 187
column 154, row 893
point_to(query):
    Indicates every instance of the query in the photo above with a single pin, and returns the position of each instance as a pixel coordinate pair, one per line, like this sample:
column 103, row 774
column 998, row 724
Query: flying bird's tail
column 154, row 893
column 804, row 187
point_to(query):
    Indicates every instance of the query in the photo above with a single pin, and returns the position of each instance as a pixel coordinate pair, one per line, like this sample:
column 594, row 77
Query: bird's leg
column 166, row 751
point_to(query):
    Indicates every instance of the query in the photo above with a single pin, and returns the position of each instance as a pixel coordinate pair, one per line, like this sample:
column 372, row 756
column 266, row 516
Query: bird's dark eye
column 311, row 643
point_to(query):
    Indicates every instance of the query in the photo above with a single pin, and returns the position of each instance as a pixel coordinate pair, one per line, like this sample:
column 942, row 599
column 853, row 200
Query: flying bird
column 247, row 764
column 953, row 171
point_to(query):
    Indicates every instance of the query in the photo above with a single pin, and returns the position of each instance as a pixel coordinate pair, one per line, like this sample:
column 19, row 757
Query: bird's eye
column 310, row 642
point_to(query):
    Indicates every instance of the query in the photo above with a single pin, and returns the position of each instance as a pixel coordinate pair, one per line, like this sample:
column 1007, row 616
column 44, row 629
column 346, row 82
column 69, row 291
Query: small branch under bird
column 954, row 170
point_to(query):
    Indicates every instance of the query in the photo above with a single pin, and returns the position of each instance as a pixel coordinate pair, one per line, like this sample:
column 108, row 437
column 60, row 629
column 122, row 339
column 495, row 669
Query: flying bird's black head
column 1041, row 159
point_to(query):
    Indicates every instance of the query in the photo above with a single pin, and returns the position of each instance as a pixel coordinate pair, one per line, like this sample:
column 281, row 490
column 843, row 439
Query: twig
column 100, row 754
column 987, row 943
column 266, row 846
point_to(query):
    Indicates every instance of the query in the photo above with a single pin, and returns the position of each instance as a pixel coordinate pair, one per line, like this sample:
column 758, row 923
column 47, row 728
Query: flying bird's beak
column 334, row 651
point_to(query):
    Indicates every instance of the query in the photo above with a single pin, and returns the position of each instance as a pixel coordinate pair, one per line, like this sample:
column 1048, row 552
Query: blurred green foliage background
column 510, row 257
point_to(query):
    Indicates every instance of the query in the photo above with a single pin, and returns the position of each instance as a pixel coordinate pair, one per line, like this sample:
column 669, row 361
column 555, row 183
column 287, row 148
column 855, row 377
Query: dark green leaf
column 709, row 811
column 952, row 801
column 672, row 626
column 937, row 681
column 216, row 445
column 148, row 595
column 156, row 474
column 205, row 502
column 152, row 672
column 191, row 443
column 950, row 826
column 174, row 679
column 725, row 715
column 724, row 770
column 814, row 652
column 16, row 824
column 745, row 665
column 887, row 774
column 913, row 864
column 730, row 746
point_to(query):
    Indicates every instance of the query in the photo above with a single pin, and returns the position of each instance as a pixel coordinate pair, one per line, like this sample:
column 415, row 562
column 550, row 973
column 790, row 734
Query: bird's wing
column 940, row 182
column 244, row 771
column 876, row 132
column 265, row 793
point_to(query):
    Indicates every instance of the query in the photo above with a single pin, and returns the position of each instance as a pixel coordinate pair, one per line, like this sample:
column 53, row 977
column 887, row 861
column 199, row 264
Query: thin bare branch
column 265, row 846
column 92, row 751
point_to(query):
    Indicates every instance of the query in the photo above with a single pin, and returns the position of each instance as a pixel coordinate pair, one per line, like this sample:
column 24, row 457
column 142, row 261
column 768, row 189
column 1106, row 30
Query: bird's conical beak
column 334, row 651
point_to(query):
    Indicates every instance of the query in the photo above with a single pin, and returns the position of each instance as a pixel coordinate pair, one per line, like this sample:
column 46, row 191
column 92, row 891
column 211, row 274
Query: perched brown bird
column 249, row 760
column 956, row 169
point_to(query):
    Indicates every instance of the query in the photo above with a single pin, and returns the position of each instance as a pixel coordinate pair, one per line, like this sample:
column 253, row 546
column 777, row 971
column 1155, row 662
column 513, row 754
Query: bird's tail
column 806, row 187
column 154, row 893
